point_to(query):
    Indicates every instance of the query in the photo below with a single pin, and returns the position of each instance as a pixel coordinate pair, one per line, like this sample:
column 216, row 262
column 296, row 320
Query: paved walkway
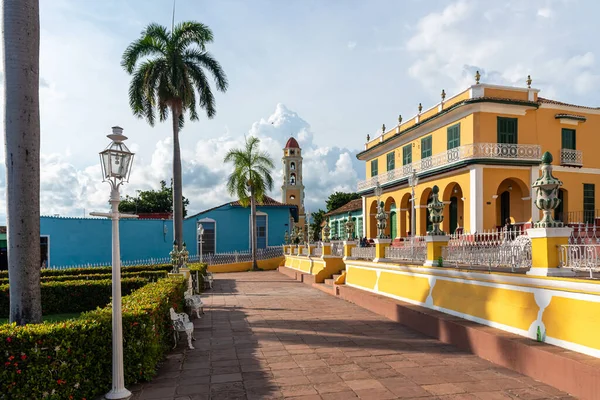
column 265, row 336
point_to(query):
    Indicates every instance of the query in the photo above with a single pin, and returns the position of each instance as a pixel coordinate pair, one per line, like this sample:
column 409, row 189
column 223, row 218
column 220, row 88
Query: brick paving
column 265, row 336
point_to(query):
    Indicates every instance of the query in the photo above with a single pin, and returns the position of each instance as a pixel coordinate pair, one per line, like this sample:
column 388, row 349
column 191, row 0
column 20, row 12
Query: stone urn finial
column 436, row 212
column 381, row 218
column 477, row 77
column 399, row 119
column 546, row 191
column 326, row 231
column 350, row 227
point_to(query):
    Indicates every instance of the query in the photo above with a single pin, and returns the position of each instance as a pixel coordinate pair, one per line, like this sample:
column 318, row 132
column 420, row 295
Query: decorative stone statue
column 286, row 238
column 184, row 256
column 350, row 227
column 436, row 210
column 546, row 191
column 381, row 221
column 174, row 254
column 326, row 231
column 309, row 232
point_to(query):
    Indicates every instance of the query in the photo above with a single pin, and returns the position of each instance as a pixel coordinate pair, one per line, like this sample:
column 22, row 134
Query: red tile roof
column 560, row 103
column 292, row 144
column 352, row 205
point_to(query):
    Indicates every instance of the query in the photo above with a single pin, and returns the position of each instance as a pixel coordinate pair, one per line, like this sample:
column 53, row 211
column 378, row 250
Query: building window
column 453, row 136
column 507, row 130
column 589, row 202
column 293, row 179
column 359, row 228
column 391, row 161
column 374, row 168
column 426, row 147
column 293, row 165
column 292, row 197
column 568, row 139
column 292, row 152
column 407, row 155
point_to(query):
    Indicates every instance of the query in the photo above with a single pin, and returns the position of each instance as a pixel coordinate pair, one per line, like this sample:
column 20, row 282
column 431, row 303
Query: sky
column 328, row 72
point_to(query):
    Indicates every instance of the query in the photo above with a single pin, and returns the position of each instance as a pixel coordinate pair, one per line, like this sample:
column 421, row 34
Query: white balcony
column 571, row 157
column 476, row 151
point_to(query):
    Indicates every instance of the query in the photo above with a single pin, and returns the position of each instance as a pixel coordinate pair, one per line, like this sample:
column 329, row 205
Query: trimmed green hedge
column 74, row 296
column 150, row 275
column 72, row 359
column 98, row 270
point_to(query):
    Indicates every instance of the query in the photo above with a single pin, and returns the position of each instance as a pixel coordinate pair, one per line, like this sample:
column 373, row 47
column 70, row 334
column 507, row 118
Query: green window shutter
column 589, row 202
column 407, row 155
column 568, row 139
column 453, row 136
column 507, row 130
column 374, row 168
column 426, row 147
column 391, row 161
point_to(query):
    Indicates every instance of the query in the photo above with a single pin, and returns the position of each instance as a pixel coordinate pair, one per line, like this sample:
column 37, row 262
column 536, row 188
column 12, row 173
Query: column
column 476, row 199
column 348, row 246
column 545, row 244
column 326, row 247
column 435, row 244
column 380, row 246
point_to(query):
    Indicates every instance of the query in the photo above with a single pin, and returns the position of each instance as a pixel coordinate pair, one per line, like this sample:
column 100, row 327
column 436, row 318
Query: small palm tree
column 250, row 180
column 168, row 76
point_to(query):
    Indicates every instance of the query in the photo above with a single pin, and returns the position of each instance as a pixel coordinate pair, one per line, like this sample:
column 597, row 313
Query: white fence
column 337, row 249
column 412, row 250
column 365, row 253
column 492, row 249
column 583, row 251
column 210, row 259
column 317, row 252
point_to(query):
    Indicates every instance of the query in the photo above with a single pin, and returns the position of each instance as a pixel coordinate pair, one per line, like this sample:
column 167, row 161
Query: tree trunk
column 21, row 28
column 177, row 189
column 253, row 223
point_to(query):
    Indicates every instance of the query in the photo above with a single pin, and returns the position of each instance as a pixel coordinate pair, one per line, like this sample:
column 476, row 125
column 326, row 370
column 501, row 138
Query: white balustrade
column 571, row 157
column 411, row 250
column 365, row 253
column 337, row 248
column 475, row 151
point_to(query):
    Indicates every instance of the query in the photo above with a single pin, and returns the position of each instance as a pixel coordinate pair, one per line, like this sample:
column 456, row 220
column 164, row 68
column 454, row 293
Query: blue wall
column 74, row 241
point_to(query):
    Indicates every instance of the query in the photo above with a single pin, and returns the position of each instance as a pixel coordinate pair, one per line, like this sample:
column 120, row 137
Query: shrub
column 74, row 296
column 150, row 275
column 98, row 270
column 74, row 357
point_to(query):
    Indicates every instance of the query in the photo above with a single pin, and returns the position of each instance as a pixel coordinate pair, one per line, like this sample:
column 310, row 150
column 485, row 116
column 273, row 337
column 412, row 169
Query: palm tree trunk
column 21, row 25
column 253, row 235
column 177, row 189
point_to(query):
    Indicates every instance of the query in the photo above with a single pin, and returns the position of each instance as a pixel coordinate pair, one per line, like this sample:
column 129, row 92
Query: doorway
column 393, row 225
column 453, row 214
column 504, row 207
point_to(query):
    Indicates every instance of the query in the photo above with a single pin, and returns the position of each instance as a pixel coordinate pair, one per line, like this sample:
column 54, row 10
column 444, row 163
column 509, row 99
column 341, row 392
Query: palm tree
column 168, row 76
column 21, row 39
column 250, row 180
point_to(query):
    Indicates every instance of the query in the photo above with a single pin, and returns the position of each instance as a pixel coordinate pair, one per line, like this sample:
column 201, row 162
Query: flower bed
column 72, row 359
column 74, row 296
column 149, row 275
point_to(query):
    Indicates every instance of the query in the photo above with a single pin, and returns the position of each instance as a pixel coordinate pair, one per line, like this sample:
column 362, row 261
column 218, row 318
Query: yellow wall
column 516, row 303
column 506, row 94
column 271, row 263
column 322, row 268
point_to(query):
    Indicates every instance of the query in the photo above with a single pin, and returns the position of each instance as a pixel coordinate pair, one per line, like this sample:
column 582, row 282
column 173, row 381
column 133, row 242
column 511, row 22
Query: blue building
column 75, row 241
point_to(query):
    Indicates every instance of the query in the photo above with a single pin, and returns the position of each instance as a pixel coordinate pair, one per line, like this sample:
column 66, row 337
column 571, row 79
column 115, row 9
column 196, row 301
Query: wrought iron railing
column 337, row 248
column 493, row 249
column 571, row 157
column 580, row 217
column 494, row 151
column 412, row 250
column 210, row 259
column 364, row 253
column 317, row 252
column 582, row 253
column 305, row 251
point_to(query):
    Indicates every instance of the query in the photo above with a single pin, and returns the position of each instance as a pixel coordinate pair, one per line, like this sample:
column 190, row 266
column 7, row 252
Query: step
column 336, row 276
column 329, row 282
column 329, row 289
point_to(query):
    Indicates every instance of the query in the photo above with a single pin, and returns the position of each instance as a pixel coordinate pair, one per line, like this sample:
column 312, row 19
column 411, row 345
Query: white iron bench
column 208, row 280
column 181, row 323
column 194, row 302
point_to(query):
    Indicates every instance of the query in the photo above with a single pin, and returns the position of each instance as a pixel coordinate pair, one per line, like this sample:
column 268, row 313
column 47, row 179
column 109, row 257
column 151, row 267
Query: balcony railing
column 479, row 151
column 571, row 157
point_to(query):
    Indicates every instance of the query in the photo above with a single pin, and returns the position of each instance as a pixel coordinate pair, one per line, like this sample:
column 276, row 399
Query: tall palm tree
column 167, row 69
column 21, row 39
column 250, row 180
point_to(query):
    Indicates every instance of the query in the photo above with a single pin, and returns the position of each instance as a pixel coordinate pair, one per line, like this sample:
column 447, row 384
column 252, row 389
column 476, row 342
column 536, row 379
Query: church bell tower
column 292, row 190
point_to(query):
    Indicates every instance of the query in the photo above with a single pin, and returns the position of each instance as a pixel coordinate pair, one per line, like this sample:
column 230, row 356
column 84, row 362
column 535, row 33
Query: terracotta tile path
column 265, row 336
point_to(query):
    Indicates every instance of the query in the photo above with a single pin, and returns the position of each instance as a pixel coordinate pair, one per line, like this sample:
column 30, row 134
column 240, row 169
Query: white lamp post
column 201, row 235
column 116, row 162
column 413, row 180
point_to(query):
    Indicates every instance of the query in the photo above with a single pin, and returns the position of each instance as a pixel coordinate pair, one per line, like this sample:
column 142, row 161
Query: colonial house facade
column 482, row 148
column 338, row 218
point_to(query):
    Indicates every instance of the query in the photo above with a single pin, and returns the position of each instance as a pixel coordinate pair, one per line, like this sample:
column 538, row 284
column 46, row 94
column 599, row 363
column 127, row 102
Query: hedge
column 98, row 270
column 150, row 275
column 73, row 296
column 72, row 359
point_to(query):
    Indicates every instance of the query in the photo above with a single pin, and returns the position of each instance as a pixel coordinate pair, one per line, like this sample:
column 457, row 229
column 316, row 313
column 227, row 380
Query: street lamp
column 413, row 180
column 116, row 162
column 201, row 235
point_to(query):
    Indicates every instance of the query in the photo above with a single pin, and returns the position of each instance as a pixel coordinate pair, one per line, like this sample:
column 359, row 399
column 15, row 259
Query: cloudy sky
column 327, row 71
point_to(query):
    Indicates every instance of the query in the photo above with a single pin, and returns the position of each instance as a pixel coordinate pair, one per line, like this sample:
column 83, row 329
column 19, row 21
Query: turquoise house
column 77, row 241
column 339, row 217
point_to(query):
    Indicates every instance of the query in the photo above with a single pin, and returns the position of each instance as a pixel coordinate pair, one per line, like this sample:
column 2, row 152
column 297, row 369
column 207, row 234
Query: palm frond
column 207, row 100
column 191, row 32
column 206, row 60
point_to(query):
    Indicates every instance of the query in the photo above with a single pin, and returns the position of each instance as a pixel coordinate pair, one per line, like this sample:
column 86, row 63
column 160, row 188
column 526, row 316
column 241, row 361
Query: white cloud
column 351, row 45
column 69, row 191
column 545, row 12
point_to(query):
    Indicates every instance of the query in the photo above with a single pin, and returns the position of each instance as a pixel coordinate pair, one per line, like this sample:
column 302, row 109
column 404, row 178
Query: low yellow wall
column 566, row 310
column 271, row 263
column 322, row 268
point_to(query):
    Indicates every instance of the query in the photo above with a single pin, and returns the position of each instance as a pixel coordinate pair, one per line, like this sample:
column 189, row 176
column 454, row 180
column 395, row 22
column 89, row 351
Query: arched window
column 293, row 166
column 293, row 179
column 292, row 197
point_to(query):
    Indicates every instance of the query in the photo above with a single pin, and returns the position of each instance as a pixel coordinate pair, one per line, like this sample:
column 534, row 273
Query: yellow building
column 482, row 147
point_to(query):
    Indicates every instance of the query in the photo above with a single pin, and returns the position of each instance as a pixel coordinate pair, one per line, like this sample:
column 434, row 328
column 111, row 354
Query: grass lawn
column 50, row 318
